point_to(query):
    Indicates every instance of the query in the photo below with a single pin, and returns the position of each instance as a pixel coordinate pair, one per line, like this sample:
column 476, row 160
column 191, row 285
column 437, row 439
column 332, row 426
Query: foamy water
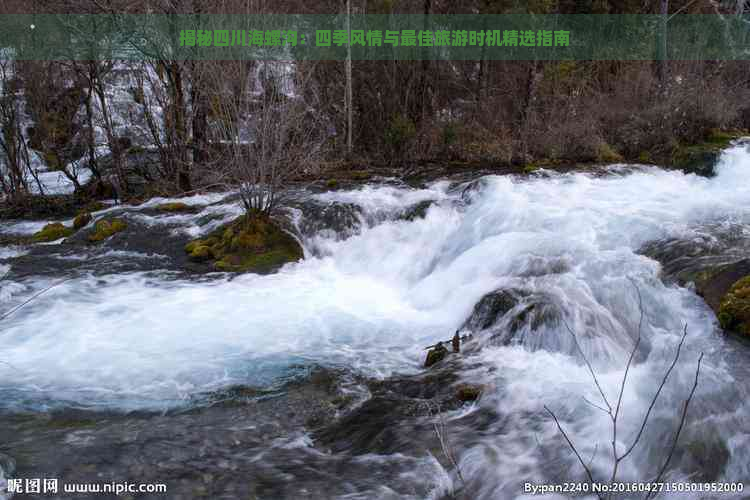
column 374, row 300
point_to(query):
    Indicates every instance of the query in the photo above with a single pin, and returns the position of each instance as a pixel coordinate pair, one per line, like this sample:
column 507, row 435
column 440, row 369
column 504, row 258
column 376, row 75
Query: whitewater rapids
column 372, row 301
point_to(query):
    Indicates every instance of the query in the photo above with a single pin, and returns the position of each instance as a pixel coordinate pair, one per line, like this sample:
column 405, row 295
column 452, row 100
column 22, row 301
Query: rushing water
column 372, row 301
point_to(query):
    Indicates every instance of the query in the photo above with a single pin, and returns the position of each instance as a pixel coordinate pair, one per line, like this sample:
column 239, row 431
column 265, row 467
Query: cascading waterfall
column 372, row 301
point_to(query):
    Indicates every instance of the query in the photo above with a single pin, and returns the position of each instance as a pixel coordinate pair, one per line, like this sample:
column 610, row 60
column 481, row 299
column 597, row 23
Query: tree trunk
column 424, row 77
column 180, row 129
column 662, row 41
column 348, row 97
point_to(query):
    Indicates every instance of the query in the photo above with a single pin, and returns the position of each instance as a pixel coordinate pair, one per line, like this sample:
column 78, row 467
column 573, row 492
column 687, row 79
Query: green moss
column 686, row 156
column 249, row 244
column 106, row 228
column 644, row 157
column 734, row 310
column 466, row 392
column 722, row 138
column 175, row 206
column 530, row 168
column 81, row 220
column 606, row 154
column 51, row 232
column 360, row 175
column 435, row 355
column 332, row 183
column 201, row 253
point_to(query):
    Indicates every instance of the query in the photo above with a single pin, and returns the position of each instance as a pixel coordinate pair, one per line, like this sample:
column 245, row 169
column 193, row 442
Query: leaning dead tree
column 613, row 408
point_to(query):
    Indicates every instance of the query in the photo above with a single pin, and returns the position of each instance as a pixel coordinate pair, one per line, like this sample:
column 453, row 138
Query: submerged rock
column 491, row 308
column 393, row 420
column 707, row 455
column 507, row 313
column 249, row 244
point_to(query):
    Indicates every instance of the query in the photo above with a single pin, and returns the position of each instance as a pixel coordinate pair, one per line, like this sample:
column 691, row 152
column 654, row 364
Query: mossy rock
column 701, row 158
column 332, row 183
column 106, row 228
column 81, row 220
column 466, row 392
column 606, row 154
column 51, row 232
column 435, row 355
column 201, row 253
column 249, row 244
column 530, row 168
column 360, row 175
column 734, row 311
column 722, row 138
column 174, row 207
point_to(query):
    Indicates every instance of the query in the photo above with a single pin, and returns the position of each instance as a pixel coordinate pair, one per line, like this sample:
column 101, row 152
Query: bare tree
column 266, row 130
column 348, row 100
column 613, row 410
column 14, row 157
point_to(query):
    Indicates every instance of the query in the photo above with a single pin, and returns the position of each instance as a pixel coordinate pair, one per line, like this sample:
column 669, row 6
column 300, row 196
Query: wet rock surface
column 314, row 437
column 506, row 316
column 136, row 247
column 713, row 263
column 338, row 219
column 252, row 243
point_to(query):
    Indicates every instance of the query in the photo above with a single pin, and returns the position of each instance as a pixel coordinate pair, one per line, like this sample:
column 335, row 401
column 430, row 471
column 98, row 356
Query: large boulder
column 712, row 265
column 340, row 220
column 734, row 309
column 506, row 315
column 726, row 289
column 491, row 308
column 251, row 243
